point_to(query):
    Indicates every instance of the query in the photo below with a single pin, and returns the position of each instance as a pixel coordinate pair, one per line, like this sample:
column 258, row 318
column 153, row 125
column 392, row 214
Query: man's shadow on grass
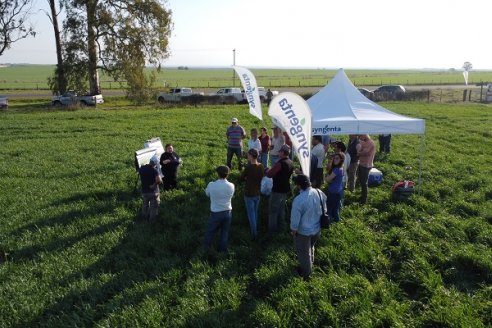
column 146, row 252
column 101, row 203
column 146, row 257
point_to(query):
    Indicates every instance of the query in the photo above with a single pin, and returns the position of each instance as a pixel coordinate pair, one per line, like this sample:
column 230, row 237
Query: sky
column 390, row 34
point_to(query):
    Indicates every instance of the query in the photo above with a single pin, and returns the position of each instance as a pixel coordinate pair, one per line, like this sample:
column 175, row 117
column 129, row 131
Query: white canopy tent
column 339, row 108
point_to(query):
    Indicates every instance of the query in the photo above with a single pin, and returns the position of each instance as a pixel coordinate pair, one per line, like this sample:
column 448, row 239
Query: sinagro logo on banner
column 296, row 127
column 248, row 90
column 326, row 129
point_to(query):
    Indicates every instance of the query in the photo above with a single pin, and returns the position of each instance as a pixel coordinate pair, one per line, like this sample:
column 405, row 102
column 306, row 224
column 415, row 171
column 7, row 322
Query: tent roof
column 339, row 108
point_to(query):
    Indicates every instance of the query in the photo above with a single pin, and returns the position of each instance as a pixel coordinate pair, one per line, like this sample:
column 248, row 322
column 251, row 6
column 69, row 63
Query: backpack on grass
column 402, row 190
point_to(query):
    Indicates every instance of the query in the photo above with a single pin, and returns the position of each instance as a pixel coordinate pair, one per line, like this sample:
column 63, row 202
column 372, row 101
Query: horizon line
column 284, row 67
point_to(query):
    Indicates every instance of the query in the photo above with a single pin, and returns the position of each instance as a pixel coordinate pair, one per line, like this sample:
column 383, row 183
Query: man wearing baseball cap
column 235, row 135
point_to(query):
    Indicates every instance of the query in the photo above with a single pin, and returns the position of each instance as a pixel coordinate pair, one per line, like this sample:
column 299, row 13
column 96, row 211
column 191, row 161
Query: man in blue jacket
column 305, row 222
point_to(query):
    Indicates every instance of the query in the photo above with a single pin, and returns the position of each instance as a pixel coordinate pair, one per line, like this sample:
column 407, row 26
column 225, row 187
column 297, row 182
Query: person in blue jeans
column 252, row 175
column 220, row 193
column 335, row 188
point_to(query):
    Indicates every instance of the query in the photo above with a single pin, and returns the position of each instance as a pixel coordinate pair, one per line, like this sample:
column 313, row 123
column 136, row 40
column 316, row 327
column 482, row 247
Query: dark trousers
column 333, row 202
column 169, row 183
column 317, row 178
column 384, row 143
column 363, row 176
column 352, row 174
column 276, row 211
column 234, row 151
column 218, row 221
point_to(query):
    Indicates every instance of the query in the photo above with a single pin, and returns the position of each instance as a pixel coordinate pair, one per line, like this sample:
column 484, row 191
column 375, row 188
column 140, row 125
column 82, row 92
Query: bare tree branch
column 14, row 18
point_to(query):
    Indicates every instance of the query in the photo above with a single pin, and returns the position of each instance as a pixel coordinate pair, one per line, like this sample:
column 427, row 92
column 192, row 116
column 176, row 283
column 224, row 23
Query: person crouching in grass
column 305, row 223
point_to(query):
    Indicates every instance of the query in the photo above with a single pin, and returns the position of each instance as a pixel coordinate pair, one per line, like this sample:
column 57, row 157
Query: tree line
column 119, row 37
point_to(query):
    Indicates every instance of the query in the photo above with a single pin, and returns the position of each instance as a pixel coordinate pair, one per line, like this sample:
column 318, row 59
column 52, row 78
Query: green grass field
column 73, row 252
column 34, row 77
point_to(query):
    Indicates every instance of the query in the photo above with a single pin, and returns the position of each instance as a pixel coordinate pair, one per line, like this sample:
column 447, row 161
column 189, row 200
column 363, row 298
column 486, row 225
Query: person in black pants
column 170, row 162
column 384, row 143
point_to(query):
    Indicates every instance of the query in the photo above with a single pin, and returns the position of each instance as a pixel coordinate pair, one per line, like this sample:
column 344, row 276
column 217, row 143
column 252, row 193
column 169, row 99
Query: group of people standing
column 268, row 147
column 343, row 166
column 271, row 157
column 262, row 150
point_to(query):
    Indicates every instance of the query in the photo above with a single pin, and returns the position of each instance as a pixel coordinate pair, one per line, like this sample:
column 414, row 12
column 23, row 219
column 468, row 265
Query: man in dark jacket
column 169, row 167
column 150, row 191
column 280, row 173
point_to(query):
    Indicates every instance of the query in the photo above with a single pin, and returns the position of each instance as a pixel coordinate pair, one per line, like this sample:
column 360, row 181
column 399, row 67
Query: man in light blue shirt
column 305, row 222
column 220, row 193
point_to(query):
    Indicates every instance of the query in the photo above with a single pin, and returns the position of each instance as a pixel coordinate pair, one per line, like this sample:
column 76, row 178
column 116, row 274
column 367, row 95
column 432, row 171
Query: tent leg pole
column 422, row 150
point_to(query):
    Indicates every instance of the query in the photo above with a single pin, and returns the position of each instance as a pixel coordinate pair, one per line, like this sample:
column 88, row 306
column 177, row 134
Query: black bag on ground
column 324, row 219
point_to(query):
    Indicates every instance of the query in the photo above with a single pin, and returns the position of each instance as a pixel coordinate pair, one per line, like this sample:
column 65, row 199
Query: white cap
column 234, row 120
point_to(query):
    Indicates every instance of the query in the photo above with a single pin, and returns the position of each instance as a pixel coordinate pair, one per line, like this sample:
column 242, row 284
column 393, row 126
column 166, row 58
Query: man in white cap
column 235, row 135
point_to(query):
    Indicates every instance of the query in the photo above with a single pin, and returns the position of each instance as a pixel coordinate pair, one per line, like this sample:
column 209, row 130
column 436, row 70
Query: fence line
column 223, row 83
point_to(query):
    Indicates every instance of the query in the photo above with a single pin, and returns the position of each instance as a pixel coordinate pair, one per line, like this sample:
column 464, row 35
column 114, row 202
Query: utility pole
column 234, row 64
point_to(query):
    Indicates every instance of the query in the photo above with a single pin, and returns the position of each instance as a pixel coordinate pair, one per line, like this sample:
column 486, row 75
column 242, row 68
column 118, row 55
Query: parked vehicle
column 262, row 91
column 71, row 98
column 367, row 93
column 175, row 95
column 230, row 95
column 389, row 92
column 4, row 102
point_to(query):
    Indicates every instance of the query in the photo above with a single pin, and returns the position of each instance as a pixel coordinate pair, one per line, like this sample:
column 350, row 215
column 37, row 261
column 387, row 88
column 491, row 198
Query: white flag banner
column 248, row 81
column 292, row 113
column 465, row 75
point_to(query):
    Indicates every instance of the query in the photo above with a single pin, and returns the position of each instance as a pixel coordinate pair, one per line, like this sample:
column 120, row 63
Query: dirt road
column 23, row 94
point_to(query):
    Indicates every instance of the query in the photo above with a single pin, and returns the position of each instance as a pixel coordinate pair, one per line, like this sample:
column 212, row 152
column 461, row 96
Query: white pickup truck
column 71, row 98
column 230, row 95
column 4, row 102
column 175, row 95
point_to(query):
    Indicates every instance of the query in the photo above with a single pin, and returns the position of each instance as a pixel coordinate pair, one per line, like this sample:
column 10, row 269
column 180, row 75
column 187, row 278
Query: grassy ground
column 34, row 77
column 73, row 252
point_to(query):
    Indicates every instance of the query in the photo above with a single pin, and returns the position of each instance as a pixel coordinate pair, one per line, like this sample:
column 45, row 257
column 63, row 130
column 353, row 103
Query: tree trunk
column 60, row 70
column 92, row 47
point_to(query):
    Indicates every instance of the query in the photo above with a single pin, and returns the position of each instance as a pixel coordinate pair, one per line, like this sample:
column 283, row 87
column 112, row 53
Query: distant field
column 34, row 77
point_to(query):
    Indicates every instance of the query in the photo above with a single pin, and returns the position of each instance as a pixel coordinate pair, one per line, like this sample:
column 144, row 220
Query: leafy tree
column 117, row 36
column 13, row 22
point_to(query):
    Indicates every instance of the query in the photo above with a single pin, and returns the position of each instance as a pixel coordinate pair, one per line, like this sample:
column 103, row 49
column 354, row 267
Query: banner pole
column 422, row 150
